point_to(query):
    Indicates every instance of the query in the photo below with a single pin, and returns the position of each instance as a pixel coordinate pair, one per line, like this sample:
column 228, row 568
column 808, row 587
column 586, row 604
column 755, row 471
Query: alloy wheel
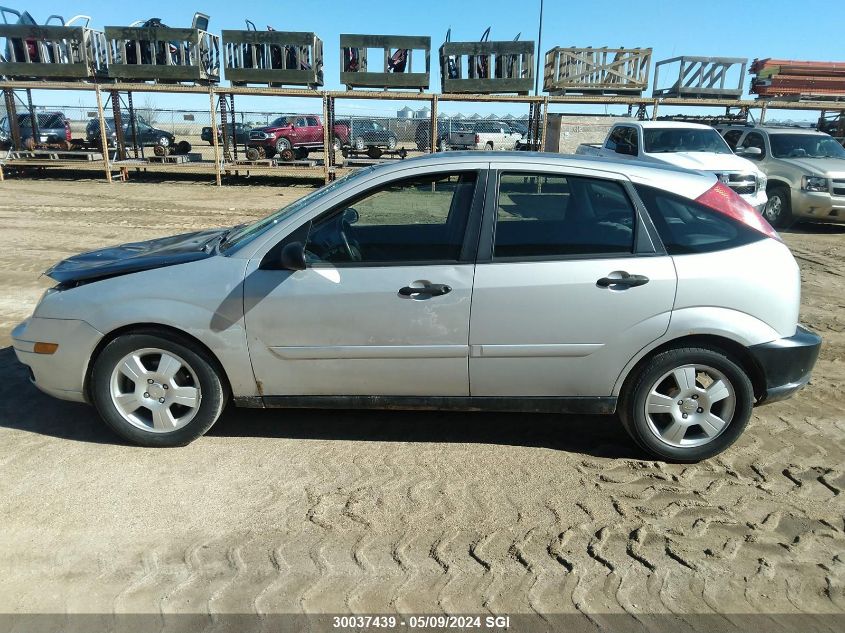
column 773, row 209
column 155, row 390
column 690, row 405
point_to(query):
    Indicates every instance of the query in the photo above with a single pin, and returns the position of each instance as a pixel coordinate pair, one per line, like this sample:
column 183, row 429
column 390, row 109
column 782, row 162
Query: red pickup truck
column 291, row 136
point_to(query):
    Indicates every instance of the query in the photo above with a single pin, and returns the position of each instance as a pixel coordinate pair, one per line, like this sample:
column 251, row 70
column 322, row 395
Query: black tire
column 778, row 211
column 374, row 152
column 632, row 403
column 489, row 146
column 213, row 388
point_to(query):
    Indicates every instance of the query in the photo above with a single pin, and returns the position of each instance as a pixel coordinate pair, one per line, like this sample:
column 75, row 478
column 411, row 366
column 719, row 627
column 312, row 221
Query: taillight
column 477, row 139
column 725, row 200
column 67, row 130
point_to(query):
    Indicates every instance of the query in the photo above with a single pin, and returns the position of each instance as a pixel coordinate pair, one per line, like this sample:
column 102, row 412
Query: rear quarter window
column 687, row 227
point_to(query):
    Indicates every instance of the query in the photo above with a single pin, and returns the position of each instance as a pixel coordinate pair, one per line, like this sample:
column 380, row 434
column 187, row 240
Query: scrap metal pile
column 797, row 79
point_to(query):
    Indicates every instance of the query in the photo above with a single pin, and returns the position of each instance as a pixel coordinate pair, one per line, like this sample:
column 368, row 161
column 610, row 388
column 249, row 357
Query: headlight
column 813, row 183
column 762, row 181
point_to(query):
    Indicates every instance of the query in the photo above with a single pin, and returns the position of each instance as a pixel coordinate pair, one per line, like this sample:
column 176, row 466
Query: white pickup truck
column 686, row 145
column 495, row 135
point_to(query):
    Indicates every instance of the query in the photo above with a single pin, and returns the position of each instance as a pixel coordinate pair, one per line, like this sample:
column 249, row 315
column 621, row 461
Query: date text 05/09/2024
column 489, row 622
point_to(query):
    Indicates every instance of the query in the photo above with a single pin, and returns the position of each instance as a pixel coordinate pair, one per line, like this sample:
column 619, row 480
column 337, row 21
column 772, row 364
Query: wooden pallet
column 51, row 154
column 191, row 157
column 242, row 162
column 305, row 162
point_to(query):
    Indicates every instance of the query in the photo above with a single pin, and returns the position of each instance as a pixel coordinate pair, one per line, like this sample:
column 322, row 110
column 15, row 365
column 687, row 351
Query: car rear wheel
column 489, row 146
column 337, row 144
column 155, row 389
column 687, row 404
column 359, row 144
column 778, row 210
column 391, row 142
column 163, row 141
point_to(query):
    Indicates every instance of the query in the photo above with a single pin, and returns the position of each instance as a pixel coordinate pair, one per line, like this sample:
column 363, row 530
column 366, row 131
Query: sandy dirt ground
column 337, row 512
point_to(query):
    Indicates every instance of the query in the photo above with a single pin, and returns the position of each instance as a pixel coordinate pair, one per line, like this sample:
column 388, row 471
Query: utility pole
column 539, row 52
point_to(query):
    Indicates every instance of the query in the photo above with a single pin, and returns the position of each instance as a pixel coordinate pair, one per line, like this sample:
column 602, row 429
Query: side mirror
column 293, row 256
column 350, row 216
column 750, row 152
column 626, row 148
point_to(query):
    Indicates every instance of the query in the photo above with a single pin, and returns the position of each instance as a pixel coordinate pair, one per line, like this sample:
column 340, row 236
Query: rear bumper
column 786, row 363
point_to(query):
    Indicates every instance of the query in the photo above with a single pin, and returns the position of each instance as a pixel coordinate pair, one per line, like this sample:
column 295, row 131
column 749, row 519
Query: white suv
column 499, row 281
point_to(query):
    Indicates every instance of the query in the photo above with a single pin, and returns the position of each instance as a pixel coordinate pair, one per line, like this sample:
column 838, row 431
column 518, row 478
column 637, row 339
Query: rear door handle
column 622, row 278
column 432, row 290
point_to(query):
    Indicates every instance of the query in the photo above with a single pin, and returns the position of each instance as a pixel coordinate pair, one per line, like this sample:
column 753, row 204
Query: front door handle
column 432, row 290
column 622, row 278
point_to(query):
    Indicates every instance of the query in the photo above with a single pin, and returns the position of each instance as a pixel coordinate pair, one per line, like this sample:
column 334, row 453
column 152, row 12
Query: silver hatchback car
column 506, row 281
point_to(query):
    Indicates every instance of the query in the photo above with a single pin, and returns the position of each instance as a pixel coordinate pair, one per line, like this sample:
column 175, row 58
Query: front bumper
column 61, row 374
column 786, row 363
column 757, row 200
column 818, row 205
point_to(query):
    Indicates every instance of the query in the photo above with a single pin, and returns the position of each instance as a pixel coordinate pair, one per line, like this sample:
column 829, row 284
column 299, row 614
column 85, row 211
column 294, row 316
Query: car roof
column 670, row 124
column 775, row 129
column 636, row 170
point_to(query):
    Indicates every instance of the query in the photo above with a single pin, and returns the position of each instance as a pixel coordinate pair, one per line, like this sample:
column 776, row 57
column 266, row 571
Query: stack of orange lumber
column 787, row 77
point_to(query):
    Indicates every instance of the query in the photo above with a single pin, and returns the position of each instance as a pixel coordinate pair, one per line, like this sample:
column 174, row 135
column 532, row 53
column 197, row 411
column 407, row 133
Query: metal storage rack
column 487, row 67
column 138, row 53
column 356, row 72
column 273, row 58
column 701, row 77
column 52, row 52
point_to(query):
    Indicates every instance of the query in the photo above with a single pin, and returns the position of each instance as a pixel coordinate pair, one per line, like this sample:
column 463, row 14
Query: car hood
column 828, row 166
column 706, row 161
column 135, row 257
column 267, row 128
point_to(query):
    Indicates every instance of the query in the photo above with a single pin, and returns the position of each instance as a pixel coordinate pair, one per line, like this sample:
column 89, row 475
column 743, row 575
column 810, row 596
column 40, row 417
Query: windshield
column 664, row 140
column 805, row 146
column 246, row 234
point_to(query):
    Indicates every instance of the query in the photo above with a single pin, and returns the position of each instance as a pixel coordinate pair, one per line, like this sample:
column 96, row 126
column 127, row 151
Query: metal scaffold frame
column 538, row 107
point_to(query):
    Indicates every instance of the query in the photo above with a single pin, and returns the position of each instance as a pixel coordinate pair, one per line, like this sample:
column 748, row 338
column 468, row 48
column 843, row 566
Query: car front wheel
column 163, row 141
column 391, row 142
column 687, row 404
column 155, row 389
column 778, row 210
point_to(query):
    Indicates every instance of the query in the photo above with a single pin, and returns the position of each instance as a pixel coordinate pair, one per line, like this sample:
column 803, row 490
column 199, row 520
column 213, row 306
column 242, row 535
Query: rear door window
column 552, row 216
column 686, row 226
column 616, row 136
